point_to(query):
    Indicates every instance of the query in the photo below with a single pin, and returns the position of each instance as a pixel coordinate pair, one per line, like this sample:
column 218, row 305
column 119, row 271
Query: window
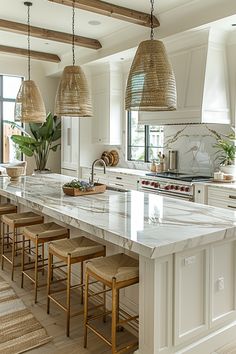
column 144, row 141
column 9, row 86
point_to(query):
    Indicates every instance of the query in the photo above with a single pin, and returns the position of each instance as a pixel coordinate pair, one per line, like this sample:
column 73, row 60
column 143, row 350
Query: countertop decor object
column 29, row 105
column 111, row 158
column 14, row 172
column 79, row 188
column 151, row 82
column 226, row 153
column 73, row 97
column 41, row 140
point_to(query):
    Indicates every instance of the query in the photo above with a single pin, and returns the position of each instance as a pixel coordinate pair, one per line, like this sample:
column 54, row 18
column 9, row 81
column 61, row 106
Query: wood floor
column 55, row 323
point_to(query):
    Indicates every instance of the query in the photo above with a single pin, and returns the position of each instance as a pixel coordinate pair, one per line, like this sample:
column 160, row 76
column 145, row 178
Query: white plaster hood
column 200, row 65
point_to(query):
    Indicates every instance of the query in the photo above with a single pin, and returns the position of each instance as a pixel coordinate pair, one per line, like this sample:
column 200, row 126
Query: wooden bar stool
column 75, row 250
column 39, row 235
column 15, row 221
column 6, row 208
column 116, row 272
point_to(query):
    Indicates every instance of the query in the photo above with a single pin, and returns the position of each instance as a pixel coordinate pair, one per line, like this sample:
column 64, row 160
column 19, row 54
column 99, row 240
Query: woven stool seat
column 119, row 266
column 75, row 247
column 7, row 208
column 21, row 219
column 45, row 232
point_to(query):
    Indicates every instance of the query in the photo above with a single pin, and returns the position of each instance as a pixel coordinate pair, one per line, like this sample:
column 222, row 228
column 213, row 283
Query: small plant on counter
column 77, row 184
column 226, row 150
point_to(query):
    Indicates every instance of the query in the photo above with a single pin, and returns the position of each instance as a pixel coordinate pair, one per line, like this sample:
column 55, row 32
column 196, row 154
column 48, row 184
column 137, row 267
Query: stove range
column 173, row 184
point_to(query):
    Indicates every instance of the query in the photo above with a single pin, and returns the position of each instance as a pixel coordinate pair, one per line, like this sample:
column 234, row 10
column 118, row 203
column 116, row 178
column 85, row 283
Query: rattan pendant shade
column 151, row 82
column 73, row 98
column 29, row 106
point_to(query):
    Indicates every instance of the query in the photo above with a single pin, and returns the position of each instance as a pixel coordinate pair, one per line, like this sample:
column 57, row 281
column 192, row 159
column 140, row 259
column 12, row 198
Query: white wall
column 13, row 65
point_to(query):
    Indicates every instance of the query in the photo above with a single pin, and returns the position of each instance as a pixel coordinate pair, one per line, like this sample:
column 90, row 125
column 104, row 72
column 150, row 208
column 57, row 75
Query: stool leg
column 8, row 231
column 86, row 309
column 114, row 316
column 43, row 253
column 23, row 261
column 36, row 270
column 104, row 303
column 49, row 280
column 82, row 281
column 13, row 253
column 3, row 243
column 1, row 237
column 68, row 295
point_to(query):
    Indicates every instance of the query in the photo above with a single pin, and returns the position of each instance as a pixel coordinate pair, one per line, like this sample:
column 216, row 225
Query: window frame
column 146, row 141
column 2, row 100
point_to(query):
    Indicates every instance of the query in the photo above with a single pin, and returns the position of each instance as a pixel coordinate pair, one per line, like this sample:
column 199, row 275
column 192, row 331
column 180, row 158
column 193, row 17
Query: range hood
column 200, row 66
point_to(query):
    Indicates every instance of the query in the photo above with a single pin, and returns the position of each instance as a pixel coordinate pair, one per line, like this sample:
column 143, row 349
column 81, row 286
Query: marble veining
column 147, row 224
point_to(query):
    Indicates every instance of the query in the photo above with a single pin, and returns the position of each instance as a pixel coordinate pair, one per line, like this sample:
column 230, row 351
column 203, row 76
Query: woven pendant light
column 151, row 82
column 73, row 97
column 29, row 105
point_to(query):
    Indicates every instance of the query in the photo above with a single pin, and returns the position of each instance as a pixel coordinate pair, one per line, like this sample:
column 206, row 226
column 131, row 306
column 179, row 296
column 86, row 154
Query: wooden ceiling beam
column 33, row 54
column 48, row 34
column 114, row 11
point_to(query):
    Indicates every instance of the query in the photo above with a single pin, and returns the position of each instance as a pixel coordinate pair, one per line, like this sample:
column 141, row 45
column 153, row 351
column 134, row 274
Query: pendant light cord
column 152, row 27
column 28, row 21
column 73, row 33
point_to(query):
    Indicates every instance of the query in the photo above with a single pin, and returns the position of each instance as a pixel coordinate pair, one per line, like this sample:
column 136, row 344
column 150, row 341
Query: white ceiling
column 111, row 31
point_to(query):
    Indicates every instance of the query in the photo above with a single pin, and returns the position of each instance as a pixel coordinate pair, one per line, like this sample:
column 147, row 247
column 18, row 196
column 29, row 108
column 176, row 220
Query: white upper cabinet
column 200, row 66
column 107, row 104
column 70, row 144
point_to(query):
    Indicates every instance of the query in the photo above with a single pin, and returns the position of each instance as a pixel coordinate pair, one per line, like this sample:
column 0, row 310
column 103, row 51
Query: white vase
column 229, row 169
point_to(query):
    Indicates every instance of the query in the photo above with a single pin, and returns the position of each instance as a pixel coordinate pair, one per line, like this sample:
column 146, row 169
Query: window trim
column 146, row 141
column 2, row 100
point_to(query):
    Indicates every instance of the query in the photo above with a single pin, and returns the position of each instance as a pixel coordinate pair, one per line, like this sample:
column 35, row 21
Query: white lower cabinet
column 204, row 291
column 191, row 294
column 222, row 256
column 113, row 179
column 222, row 197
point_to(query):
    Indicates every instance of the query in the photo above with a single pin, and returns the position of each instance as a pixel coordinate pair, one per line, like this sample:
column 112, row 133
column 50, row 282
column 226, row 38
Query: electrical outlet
column 189, row 260
column 220, row 283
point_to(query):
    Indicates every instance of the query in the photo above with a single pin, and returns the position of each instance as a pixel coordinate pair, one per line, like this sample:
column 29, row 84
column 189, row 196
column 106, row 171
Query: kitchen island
column 187, row 300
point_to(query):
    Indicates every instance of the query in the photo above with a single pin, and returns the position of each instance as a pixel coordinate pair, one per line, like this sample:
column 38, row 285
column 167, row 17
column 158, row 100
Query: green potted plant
column 226, row 153
column 40, row 141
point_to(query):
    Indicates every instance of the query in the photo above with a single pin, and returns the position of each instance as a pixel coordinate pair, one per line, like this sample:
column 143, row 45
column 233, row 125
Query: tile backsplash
column 195, row 145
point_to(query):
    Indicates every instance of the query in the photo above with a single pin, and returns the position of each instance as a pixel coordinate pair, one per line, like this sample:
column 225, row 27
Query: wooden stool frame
column 68, row 261
column 116, row 323
column 15, row 242
column 39, row 242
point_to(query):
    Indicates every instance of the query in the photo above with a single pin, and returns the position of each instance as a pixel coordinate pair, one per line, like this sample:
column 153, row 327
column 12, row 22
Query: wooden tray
column 223, row 180
column 98, row 188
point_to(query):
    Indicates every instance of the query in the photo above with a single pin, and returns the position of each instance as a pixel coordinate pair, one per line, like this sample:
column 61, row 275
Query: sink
column 117, row 189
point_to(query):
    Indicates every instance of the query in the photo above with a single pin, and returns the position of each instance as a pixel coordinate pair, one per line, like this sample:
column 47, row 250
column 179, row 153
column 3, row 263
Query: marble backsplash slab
column 195, row 145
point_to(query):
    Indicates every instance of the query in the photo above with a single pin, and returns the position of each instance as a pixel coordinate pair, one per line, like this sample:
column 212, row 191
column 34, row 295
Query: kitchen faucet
column 93, row 165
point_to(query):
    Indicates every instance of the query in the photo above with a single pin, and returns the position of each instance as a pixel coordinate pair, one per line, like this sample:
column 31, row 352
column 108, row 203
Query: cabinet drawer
column 223, row 198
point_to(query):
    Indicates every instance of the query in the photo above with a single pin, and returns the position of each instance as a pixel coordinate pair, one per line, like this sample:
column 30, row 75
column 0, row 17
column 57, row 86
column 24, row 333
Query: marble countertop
column 147, row 224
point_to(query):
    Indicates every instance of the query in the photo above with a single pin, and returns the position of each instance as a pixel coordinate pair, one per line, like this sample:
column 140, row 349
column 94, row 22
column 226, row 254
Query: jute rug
column 19, row 329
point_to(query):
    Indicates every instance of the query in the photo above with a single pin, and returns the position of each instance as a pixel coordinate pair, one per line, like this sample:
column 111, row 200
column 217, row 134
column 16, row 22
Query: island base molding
column 206, row 346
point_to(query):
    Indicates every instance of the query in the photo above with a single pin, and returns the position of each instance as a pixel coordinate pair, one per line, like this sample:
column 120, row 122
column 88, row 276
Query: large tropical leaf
column 27, row 151
column 46, row 130
column 15, row 125
column 22, row 140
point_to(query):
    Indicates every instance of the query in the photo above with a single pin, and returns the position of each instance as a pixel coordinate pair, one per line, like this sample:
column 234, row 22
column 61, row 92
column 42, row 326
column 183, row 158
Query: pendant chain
column 152, row 10
column 73, row 33
column 28, row 21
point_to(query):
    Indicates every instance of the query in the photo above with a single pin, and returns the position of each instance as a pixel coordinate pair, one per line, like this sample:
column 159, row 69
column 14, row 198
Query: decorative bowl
column 14, row 172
